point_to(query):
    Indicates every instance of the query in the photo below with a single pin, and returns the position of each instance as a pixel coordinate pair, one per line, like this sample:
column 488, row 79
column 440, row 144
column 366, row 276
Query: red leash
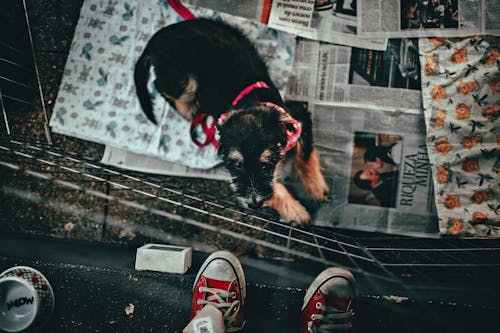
column 201, row 119
column 183, row 12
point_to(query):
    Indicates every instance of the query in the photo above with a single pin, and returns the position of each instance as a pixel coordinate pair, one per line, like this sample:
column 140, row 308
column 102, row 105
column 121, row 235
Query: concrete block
column 163, row 258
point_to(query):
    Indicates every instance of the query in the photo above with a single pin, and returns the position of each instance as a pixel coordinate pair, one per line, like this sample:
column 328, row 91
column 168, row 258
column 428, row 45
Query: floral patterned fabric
column 97, row 100
column 461, row 97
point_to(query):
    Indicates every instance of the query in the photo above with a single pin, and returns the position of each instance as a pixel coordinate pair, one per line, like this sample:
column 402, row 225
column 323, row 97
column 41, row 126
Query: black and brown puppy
column 207, row 67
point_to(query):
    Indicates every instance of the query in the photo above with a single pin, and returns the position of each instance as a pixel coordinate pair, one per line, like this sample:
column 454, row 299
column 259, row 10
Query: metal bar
column 37, row 74
column 440, row 249
column 319, row 248
column 288, row 240
column 18, row 100
column 442, row 265
column 16, row 82
column 11, row 47
column 15, row 64
column 4, row 113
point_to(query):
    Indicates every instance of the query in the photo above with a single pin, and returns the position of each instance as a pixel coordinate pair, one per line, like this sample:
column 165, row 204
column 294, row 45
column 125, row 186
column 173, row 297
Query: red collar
column 208, row 127
column 247, row 90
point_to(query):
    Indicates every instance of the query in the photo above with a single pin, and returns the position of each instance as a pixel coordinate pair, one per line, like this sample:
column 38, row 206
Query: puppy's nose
column 255, row 204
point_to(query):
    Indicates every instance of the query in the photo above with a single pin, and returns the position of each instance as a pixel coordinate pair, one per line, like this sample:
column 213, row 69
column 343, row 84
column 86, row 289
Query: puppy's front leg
column 287, row 206
column 310, row 174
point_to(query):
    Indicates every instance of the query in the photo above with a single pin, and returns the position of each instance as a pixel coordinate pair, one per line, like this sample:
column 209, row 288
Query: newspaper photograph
column 390, row 171
column 388, row 80
column 375, row 177
column 429, row 15
column 427, row 18
column 322, row 20
column 378, row 169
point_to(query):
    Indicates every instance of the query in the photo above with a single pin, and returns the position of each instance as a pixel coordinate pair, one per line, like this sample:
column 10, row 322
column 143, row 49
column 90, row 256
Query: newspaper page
column 377, row 166
column 323, row 20
column 427, row 18
column 250, row 9
column 341, row 75
column 345, row 129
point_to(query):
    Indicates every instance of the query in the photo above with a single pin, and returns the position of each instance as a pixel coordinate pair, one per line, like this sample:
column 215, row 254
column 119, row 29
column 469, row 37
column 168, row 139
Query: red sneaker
column 329, row 303
column 221, row 283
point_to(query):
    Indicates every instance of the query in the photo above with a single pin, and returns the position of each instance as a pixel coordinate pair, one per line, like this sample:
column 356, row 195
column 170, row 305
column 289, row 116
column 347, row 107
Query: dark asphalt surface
column 93, row 284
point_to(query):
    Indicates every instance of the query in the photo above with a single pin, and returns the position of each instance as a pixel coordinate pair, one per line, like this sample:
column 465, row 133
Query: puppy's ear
column 287, row 121
column 223, row 118
column 292, row 129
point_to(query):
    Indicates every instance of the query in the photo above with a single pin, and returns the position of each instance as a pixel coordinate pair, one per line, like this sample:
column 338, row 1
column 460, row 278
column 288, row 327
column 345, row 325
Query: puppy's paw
column 287, row 206
column 317, row 190
column 297, row 214
column 312, row 178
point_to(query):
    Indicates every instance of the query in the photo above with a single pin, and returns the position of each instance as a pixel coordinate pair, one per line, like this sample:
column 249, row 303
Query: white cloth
column 97, row 100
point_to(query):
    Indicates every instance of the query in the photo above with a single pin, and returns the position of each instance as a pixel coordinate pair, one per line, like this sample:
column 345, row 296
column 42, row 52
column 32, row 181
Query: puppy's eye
column 266, row 166
column 237, row 164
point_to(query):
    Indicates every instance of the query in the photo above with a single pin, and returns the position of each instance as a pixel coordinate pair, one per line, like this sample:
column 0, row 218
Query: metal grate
column 141, row 192
column 407, row 265
column 20, row 87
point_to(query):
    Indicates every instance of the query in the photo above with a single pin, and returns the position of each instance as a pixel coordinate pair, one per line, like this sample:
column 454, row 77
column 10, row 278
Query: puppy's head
column 252, row 145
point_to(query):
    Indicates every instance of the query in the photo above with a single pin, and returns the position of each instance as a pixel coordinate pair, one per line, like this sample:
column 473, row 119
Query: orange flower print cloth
column 461, row 99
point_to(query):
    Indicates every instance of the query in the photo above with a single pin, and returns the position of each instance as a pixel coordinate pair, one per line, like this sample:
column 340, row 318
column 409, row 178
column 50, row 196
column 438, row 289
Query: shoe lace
column 328, row 320
column 217, row 299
